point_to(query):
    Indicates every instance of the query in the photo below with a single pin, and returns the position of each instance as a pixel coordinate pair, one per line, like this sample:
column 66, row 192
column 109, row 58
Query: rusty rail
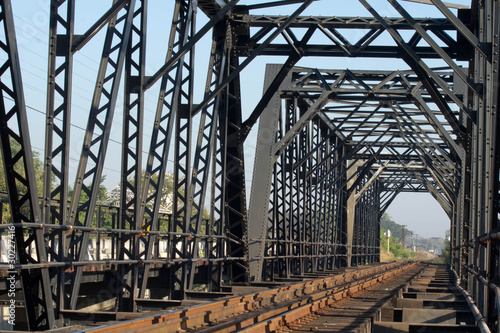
column 333, row 297
column 266, row 308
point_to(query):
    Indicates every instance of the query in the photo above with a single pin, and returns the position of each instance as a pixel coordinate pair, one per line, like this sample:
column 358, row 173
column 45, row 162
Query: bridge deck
column 429, row 303
column 397, row 296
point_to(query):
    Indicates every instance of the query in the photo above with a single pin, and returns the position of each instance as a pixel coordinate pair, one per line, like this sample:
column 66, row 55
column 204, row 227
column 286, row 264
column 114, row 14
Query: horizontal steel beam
column 337, row 22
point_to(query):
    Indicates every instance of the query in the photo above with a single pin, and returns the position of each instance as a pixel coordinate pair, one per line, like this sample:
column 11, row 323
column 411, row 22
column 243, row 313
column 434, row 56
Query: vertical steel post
column 235, row 216
column 21, row 182
column 196, row 192
column 131, row 169
column 261, row 183
column 96, row 139
column 57, row 135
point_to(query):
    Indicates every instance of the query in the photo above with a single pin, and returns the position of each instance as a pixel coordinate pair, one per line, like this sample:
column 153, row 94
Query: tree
column 446, row 252
column 102, row 193
column 167, row 196
column 387, row 223
column 396, row 249
column 18, row 167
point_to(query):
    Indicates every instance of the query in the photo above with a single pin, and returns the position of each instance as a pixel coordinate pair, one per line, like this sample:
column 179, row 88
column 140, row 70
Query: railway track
column 280, row 309
column 355, row 313
column 427, row 302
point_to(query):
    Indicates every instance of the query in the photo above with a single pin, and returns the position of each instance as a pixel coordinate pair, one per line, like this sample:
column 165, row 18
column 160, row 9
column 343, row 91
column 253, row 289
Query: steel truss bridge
column 334, row 148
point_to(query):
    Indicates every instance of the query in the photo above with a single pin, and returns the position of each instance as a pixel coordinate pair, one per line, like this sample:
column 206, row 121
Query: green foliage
column 102, row 193
column 108, row 216
column 433, row 244
column 399, row 252
column 387, row 223
column 445, row 253
column 166, row 204
column 19, row 168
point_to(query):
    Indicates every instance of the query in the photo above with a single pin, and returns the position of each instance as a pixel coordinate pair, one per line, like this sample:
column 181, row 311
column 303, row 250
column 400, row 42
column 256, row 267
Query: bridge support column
column 352, row 169
column 261, row 184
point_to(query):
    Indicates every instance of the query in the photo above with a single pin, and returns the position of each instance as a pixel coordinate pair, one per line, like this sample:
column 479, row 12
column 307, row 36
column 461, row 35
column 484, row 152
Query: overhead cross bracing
column 335, row 148
column 343, row 135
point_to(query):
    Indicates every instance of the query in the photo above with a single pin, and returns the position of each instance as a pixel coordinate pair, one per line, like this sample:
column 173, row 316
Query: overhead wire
column 115, row 121
column 75, row 160
column 78, row 127
column 77, row 86
column 75, row 59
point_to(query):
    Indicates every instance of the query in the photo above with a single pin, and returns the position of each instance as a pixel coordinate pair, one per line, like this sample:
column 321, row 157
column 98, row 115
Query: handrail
column 478, row 317
column 485, row 238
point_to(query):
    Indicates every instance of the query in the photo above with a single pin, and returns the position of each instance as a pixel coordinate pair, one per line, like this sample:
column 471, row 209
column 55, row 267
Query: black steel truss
column 382, row 126
column 335, row 147
column 96, row 139
column 131, row 173
column 21, row 184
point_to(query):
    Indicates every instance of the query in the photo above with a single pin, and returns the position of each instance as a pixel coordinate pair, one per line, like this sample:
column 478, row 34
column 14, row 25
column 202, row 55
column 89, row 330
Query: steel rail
column 265, row 304
column 310, row 308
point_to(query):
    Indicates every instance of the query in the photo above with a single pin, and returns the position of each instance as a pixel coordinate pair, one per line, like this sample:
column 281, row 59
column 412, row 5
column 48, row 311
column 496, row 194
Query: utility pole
column 403, row 235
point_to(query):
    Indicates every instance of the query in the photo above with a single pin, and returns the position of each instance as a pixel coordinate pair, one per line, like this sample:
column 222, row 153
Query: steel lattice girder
column 21, row 184
column 353, row 110
column 97, row 138
column 338, row 45
column 55, row 192
column 480, row 196
column 386, row 129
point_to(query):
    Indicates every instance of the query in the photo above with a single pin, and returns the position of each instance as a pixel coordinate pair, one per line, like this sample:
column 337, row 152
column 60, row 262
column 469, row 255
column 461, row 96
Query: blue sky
column 419, row 211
